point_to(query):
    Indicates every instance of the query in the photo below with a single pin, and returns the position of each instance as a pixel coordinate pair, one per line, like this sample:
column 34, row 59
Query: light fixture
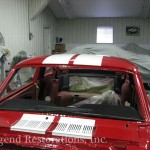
column 66, row 8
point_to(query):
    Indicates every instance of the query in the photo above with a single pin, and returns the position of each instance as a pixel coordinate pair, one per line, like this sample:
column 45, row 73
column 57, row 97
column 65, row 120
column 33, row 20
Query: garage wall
column 83, row 31
column 15, row 24
column 36, row 6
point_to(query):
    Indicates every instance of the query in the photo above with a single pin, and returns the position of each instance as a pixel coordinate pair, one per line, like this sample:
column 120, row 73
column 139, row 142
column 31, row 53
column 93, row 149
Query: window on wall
column 104, row 34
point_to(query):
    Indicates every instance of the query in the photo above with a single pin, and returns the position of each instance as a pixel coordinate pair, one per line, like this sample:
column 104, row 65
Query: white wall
column 83, row 31
column 14, row 27
column 36, row 6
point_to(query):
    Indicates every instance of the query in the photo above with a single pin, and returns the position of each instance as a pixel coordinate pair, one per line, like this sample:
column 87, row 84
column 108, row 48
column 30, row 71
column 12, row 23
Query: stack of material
column 59, row 48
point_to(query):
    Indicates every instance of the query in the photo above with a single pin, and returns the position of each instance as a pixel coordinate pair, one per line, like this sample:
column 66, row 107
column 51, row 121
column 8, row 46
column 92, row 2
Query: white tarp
column 135, row 48
column 143, row 61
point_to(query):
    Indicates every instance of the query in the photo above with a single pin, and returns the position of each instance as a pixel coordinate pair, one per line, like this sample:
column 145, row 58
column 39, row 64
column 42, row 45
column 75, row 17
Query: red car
column 72, row 101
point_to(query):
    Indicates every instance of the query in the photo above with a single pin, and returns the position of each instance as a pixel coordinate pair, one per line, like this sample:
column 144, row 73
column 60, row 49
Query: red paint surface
column 108, row 133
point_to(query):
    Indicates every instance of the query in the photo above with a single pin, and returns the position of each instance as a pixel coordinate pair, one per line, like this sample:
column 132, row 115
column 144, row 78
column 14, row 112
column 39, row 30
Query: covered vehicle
column 139, row 57
column 74, row 101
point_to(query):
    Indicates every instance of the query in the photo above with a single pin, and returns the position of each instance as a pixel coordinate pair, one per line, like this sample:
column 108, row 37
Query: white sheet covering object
column 135, row 48
column 74, row 127
column 33, row 123
column 143, row 61
column 107, row 98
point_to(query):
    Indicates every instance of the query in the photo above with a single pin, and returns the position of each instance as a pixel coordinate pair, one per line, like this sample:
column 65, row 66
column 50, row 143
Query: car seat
column 51, row 90
column 122, row 87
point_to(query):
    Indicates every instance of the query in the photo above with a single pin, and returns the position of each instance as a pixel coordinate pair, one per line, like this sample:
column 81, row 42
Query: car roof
column 81, row 60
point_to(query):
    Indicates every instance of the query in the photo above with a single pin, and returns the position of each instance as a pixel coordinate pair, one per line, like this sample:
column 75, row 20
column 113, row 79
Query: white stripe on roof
column 92, row 60
column 82, row 59
column 58, row 59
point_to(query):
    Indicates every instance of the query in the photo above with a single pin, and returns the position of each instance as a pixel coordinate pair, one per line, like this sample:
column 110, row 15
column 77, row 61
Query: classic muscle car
column 74, row 101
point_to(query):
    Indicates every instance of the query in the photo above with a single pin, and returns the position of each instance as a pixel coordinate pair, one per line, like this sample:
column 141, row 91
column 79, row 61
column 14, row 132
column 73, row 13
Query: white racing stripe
column 82, row 59
column 33, row 123
column 74, row 127
column 91, row 60
column 58, row 59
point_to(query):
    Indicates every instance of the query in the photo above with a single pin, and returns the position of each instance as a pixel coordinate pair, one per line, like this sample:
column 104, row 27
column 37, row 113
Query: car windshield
column 22, row 77
column 96, row 93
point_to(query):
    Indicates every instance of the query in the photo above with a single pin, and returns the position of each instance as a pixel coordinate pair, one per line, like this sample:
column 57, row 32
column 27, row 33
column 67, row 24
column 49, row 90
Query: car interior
column 98, row 90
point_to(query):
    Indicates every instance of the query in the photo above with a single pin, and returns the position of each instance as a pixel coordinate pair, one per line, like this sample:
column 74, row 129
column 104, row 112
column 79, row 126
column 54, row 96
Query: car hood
column 98, row 133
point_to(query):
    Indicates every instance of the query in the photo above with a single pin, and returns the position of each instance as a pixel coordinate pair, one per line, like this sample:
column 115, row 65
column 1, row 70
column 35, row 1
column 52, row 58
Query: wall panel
column 14, row 26
column 84, row 30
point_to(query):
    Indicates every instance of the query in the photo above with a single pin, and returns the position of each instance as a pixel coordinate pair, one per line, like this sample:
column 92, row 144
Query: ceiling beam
column 66, row 8
column 36, row 7
column 146, row 8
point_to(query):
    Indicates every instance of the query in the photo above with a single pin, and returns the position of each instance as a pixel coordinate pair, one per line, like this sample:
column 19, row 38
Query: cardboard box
column 60, row 47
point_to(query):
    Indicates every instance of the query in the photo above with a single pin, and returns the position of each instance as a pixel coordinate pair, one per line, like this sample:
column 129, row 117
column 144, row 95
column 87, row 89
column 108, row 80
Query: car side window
column 21, row 78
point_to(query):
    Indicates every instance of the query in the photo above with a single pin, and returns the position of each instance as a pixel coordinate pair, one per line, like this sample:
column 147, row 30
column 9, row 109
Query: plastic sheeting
column 142, row 60
column 107, row 98
column 90, row 84
column 135, row 48
column 2, row 42
column 22, row 55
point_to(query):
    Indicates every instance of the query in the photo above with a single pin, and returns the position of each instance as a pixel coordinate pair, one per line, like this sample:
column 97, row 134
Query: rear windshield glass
column 108, row 94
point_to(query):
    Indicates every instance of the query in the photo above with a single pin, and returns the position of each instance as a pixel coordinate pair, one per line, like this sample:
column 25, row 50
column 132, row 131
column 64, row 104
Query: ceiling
column 99, row 8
